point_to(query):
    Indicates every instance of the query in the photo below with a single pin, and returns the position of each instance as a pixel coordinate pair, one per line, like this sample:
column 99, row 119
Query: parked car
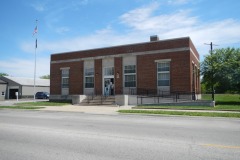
column 42, row 95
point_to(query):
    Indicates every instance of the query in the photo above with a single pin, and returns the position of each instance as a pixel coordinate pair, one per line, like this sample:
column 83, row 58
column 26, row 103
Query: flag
column 36, row 43
column 35, row 30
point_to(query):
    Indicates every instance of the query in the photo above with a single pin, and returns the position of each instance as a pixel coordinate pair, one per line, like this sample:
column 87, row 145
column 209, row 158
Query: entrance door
column 12, row 93
column 108, row 81
column 108, row 86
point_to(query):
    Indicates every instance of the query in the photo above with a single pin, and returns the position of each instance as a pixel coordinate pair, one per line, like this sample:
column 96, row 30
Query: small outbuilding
column 3, row 87
column 23, row 86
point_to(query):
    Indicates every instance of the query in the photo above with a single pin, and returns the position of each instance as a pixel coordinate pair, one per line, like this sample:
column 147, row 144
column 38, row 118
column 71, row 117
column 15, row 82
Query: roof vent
column 154, row 38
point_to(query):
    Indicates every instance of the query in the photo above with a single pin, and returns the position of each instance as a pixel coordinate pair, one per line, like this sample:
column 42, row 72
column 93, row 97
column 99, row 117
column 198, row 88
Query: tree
column 45, row 77
column 224, row 65
column 3, row 74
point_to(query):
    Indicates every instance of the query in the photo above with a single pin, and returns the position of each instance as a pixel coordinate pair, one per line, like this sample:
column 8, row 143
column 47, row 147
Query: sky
column 70, row 25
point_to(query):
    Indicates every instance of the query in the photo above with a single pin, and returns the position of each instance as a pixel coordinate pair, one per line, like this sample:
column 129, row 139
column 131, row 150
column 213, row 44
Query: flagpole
column 34, row 87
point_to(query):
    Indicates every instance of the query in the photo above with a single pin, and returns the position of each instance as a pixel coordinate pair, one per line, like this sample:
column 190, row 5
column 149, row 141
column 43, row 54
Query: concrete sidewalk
column 70, row 108
column 112, row 109
column 101, row 109
column 86, row 109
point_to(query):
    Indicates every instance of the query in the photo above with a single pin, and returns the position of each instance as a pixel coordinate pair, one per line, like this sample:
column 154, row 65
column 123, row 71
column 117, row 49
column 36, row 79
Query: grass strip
column 34, row 105
column 20, row 107
column 207, row 114
column 43, row 103
column 217, row 108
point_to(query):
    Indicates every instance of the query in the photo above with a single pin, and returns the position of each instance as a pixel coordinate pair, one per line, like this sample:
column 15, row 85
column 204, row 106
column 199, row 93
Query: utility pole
column 212, row 73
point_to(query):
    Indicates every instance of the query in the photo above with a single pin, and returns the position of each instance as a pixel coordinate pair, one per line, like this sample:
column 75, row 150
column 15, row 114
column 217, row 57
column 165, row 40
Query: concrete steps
column 98, row 100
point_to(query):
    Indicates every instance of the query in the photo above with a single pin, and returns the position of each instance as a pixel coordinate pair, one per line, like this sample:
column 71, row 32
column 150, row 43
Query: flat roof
column 123, row 45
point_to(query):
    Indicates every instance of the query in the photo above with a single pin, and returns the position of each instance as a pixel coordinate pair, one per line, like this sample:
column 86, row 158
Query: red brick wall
column 197, row 79
column 98, row 76
column 118, row 69
column 179, row 71
column 55, row 79
column 180, row 79
column 76, row 78
column 140, row 47
column 146, row 72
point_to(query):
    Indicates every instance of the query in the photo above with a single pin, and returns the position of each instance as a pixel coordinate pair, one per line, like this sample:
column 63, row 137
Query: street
column 50, row 135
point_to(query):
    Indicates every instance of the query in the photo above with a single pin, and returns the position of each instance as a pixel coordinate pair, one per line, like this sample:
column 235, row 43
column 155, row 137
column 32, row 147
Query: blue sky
column 69, row 25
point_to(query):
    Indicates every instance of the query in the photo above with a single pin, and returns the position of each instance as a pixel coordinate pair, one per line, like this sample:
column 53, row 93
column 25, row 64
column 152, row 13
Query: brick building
column 155, row 67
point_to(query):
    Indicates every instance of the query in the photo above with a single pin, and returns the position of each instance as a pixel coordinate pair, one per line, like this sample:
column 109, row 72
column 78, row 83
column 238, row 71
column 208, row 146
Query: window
column 109, row 71
column 163, row 69
column 130, row 69
column 130, row 76
column 65, row 78
column 89, row 78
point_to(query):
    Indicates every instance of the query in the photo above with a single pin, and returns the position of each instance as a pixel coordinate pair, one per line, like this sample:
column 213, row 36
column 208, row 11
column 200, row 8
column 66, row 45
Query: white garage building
column 24, row 86
column 3, row 87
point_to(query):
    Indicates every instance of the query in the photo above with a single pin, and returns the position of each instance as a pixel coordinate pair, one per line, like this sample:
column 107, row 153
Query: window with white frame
column 89, row 78
column 163, row 76
column 65, row 78
column 108, row 71
column 130, row 76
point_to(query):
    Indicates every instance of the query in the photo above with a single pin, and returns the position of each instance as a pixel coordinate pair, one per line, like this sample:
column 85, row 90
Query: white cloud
column 25, row 67
column 62, row 30
column 144, row 22
column 177, row 2
column 164, row 22
column 139, row 24
column 181, row 24
column 40, row 7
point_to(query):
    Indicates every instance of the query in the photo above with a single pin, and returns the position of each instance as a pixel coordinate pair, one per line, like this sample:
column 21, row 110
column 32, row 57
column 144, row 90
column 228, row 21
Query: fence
column 166, row 98
column 149, row 96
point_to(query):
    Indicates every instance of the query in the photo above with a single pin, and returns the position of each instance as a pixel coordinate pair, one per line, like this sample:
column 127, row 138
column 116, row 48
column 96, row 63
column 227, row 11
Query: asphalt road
column 45, row 135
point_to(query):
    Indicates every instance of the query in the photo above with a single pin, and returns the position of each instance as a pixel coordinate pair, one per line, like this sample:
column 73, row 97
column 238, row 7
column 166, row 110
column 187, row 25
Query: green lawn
column 42, row 103
column 224, row 102
column 232, row 99
column 21, row 107
column 216, row 108
column 161, row 112
column 34, row 105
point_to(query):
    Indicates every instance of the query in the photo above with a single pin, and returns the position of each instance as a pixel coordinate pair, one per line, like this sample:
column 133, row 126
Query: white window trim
column 129, row 74
column 163, row 61
column 62, row 77
column 108, row 75
column 85, row 76
column 65, row 68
